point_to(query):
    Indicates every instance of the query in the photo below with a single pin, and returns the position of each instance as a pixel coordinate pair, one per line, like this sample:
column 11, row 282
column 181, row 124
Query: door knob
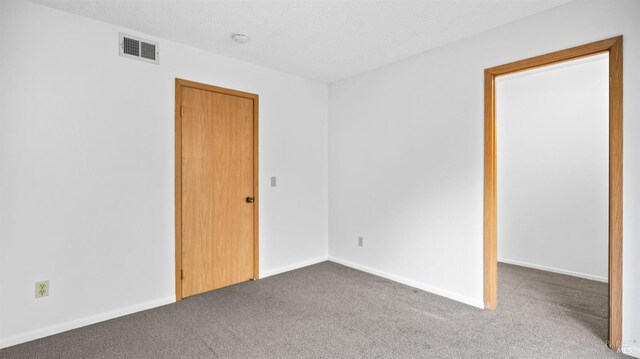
column 250, row 199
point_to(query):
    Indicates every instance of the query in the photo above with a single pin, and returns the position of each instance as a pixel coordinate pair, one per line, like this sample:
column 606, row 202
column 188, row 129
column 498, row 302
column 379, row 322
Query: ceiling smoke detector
column 240, row 37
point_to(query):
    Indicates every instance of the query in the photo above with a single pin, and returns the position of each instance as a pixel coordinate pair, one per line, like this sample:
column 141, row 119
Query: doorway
column 216, row 134
column 612, row 47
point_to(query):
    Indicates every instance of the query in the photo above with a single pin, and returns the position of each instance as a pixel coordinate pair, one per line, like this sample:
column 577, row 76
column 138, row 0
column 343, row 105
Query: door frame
column 613, row 47
column 179, row 85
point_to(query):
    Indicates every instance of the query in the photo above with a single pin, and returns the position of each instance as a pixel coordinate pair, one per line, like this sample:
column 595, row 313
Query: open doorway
column 611, row 50
column 552, row 133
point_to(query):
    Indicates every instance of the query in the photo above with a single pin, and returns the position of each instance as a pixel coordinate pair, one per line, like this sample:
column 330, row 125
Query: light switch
column 273, row 181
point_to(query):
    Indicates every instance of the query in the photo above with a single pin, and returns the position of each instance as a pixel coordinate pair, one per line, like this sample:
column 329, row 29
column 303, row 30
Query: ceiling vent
column 140, row 49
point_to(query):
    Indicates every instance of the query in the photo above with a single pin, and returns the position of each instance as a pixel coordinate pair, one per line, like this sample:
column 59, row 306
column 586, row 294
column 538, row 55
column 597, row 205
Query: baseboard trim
column 554, row 270
column 631, row 350
column 298, row 265
column 82, row 322
column 59, row 328
column 412, row 283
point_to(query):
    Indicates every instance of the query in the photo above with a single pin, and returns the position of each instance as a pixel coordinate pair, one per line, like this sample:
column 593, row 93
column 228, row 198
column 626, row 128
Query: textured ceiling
column 322, row 40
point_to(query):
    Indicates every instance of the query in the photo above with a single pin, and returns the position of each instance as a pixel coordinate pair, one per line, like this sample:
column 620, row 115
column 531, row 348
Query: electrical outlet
column 273, row 181
column 360, row 242
column 42, row 289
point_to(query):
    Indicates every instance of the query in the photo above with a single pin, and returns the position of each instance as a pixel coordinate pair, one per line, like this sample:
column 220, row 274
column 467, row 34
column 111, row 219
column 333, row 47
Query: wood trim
column 490, row 196
column 178, row 189
column 613, row 46
column 555, row 57
column 179, row 84
column 615, row 194
column 205, row 87
column 256, row 187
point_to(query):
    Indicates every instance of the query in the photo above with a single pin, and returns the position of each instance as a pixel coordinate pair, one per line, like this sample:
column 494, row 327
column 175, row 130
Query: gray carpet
column 331, row 311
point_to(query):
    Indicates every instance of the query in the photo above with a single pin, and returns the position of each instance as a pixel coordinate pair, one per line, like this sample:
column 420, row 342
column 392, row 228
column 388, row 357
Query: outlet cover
column 42, row 289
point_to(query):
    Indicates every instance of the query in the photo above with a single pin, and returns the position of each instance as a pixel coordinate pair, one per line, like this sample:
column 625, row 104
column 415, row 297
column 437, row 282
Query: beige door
column 217, row 190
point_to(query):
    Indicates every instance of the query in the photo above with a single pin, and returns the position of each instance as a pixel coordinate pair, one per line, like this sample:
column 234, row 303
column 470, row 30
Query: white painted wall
column 553, row 167
column 406, row 153
column 87, row 166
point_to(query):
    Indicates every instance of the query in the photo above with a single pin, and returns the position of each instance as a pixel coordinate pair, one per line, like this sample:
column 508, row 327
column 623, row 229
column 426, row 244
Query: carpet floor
column 331, row 311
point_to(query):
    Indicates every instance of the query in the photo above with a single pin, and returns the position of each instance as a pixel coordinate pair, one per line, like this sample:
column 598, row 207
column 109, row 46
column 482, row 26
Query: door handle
column 250, row 199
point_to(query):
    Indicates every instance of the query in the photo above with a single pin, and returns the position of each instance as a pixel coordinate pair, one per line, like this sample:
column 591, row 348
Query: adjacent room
column 319, row 179
column 553, row 132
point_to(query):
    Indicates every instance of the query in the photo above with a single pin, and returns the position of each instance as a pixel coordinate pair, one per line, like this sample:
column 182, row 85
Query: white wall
column 553, row 167
column 87, row 166
column 406, row 153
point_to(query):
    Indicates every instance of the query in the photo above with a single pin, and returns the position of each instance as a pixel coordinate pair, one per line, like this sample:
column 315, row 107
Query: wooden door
column 217, row 189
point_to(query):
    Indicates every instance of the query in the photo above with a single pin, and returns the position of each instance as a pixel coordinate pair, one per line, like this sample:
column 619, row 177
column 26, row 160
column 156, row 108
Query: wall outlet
column 42, row 289
column 360, row 242
column 273, row 181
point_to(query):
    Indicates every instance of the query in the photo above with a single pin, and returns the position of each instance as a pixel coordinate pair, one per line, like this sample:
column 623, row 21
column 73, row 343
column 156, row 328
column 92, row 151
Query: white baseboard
column 63, row 327
column 59, row 328
column 294, row 266
column 631, row 350
column 478, row 303
column 555, row 270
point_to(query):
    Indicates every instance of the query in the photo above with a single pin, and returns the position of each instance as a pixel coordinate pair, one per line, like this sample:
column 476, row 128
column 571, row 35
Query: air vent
column 139, row 49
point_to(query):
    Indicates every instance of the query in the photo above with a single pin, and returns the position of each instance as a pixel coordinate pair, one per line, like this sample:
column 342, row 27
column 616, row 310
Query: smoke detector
column 240, row 37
